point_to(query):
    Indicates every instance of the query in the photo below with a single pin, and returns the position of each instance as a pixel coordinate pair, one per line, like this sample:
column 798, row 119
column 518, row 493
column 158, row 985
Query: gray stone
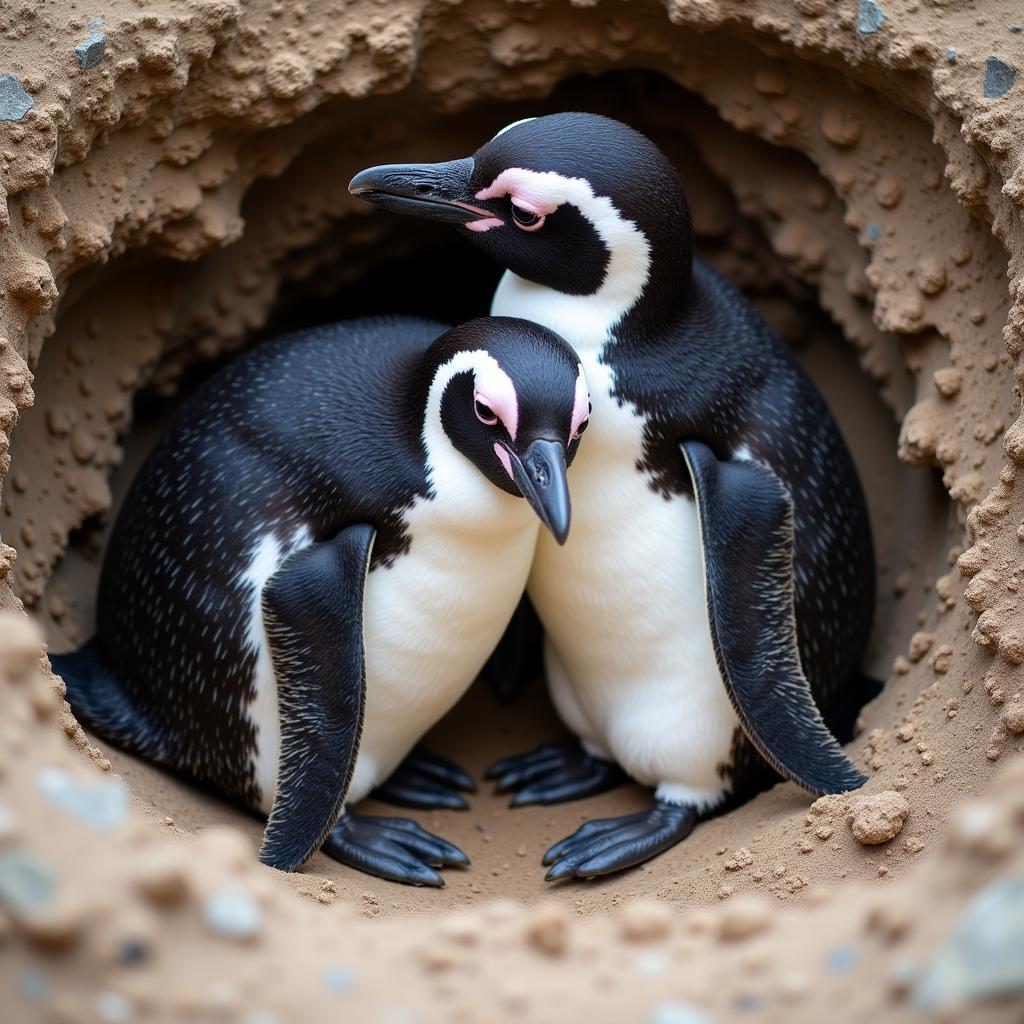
column 33, row 984
column 983, row 958
column 27, row 882
column 870, row 17
column 951, row 55
column 842, row 959
column 338, row 979
column 678, row 1013
column 15, row 103
column 113, row 1008
column 234, row 913
column 102, row 804
column 90, row 50
column 999, row 77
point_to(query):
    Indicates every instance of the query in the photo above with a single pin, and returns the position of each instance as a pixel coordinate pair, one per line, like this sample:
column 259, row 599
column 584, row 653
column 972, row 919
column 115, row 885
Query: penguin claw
column 440, row 769
column 555, row 773
column 427, row 782
column 613, row 844
column 396, row 849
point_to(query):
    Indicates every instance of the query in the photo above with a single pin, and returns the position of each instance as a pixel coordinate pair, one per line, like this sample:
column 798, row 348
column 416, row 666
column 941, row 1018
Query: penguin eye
column 525, row 219
column 584, row 424
column 484, row 413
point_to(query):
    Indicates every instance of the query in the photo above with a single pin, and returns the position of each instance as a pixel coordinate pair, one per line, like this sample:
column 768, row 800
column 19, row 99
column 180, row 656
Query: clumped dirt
column 856, row 169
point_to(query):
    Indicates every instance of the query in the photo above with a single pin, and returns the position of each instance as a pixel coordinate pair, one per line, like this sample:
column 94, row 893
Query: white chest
column 431, row 620
column 630, row 657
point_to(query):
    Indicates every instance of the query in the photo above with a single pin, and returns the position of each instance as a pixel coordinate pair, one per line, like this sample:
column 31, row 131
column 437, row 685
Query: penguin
column 707, row 619
column 315, row 561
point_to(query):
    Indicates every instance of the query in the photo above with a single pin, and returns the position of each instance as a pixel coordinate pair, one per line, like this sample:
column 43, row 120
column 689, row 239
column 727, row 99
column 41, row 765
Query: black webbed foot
column 428, row 782
column 554, row 773
column 612, row 844
column 393, row 848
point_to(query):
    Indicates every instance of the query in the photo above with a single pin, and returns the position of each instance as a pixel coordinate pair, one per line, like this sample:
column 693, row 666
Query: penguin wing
column 313, row 619
column 746, row 528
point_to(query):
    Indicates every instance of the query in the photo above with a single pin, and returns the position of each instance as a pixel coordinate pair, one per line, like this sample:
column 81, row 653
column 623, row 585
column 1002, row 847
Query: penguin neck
column 646, row 286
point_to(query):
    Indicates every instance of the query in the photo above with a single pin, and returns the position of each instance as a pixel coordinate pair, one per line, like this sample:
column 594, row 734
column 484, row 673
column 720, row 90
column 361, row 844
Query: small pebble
column 951, row 55
column 999, row 78
column 679, row 1013
column 102, row 804
column 15, row 103
column 645, row 921
column 879, row 817
column 113, row 1008
column 842, row 959
column 232, row 912
column 744, row 918
column 160, row 876
column 90, row 50
column 870, row 17
column 651, row 965
column 33, row 984
column 547, row 930
column 338, row 979
column 27, row 882
column 983, row 958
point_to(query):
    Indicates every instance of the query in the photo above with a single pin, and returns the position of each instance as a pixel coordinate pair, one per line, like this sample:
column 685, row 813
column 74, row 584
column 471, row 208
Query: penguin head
column 512, row 398
column 577, row 203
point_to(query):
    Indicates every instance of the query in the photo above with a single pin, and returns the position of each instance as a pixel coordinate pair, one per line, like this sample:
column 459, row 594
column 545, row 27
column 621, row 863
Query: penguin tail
column 842, row 716
column 99, row 701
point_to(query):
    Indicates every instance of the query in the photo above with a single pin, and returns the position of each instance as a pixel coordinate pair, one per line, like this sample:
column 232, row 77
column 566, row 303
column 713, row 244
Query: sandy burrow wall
column 154, row 204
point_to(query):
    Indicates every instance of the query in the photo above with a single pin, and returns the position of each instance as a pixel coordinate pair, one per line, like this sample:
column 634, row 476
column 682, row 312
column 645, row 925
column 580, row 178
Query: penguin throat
column 585, row 321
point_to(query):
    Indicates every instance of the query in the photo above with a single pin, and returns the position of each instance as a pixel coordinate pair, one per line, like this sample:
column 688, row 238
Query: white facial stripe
column 495, row 388
column 581, row 403
column 504, row 459
column 512, row 125
column 583, row 320
column 539, row 192
column 490, row 382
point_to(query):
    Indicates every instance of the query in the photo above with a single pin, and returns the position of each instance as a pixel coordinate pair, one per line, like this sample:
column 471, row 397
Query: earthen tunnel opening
column 136, row 336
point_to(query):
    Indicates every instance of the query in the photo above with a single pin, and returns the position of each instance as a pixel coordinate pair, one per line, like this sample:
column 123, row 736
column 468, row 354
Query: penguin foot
column 612, row 844
column 428, row 782
column 393, row 848
column 555, row 773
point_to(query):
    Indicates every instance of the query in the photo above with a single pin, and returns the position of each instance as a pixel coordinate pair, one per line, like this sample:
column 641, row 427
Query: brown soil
column 163, row 207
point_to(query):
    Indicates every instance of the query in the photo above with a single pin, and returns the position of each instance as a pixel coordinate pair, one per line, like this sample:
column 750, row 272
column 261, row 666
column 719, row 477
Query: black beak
column 435, row 191
column 540, row 475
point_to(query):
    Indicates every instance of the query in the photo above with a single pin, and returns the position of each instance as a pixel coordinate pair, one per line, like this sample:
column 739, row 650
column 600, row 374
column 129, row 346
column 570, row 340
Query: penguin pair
column 718, row 586
column 315, row 562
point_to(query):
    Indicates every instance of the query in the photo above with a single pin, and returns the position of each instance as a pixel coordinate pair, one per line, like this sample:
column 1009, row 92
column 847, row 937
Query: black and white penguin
column 316, row 560
column 720, row 577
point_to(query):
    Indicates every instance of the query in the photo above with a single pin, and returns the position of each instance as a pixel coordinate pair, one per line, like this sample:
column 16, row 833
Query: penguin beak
column 540, row 476
column 438, row 192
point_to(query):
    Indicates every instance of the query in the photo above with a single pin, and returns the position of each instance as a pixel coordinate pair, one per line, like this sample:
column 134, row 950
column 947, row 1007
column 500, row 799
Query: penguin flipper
column 313, row 617
column 746, row 526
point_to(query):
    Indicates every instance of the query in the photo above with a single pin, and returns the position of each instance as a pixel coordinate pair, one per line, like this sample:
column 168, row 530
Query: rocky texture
column 162, row 193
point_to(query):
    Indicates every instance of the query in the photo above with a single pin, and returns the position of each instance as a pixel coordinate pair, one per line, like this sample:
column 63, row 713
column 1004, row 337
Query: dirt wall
column 177, row 181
